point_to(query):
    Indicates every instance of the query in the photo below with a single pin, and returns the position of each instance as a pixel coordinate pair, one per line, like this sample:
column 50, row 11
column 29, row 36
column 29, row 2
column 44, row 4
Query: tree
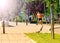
column 52, row 17
column 35, row 6
column 20, row 4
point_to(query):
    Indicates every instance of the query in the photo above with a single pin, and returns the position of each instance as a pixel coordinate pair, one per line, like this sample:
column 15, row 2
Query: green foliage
column 19, row 19
column 44, row 37
column 56, row 7
column 55, row 2
column 29, row 0
column 47, row 7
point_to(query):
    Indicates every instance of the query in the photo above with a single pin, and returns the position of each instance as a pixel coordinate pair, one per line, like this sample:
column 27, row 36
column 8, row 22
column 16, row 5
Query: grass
column 44, row 37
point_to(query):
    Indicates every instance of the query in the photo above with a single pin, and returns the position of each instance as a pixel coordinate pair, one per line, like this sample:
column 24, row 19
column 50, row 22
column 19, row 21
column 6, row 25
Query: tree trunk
column 58, row 6
column 3, row 27
column 16, row 21
column 52, row 20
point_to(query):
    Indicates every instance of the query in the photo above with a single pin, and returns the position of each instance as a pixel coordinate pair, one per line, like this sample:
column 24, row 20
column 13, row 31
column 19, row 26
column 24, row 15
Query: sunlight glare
column 3, row 3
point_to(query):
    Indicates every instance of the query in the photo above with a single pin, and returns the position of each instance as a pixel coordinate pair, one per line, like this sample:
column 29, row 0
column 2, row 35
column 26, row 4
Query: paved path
column 15, row 34
column 15, row 38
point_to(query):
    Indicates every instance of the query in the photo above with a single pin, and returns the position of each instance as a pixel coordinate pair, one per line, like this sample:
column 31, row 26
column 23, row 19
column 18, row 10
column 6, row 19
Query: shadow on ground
column 10, row 26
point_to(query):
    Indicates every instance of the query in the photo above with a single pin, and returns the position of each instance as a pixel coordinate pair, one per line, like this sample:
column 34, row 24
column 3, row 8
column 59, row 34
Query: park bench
column 50, row 22
column 57, row 22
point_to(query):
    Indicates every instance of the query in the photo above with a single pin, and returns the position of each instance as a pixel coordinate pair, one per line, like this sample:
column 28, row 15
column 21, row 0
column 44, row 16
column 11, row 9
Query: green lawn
column 43, row 37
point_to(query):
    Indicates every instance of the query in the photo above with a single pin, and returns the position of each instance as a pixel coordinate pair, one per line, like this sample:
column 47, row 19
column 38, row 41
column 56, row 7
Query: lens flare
column 3, row 3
